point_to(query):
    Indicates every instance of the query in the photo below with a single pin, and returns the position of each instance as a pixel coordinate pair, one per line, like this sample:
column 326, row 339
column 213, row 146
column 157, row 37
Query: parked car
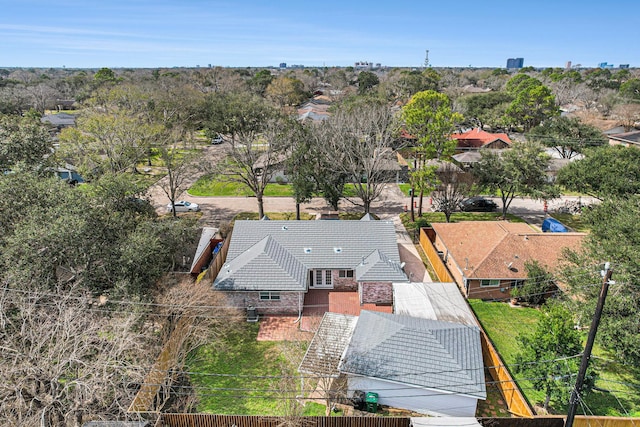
column 217, row 140
column 478, row 204
column 184, row 206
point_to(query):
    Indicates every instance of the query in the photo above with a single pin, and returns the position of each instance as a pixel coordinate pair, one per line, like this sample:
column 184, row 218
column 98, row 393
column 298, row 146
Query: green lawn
column 274, row 215
column 504, row 323
column 242, row 376
column 213, row 186
column 574, row 222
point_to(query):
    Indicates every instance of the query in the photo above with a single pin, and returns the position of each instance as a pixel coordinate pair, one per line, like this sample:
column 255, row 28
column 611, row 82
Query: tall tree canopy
column 532, row 102
column 519, row 171
column 604, row 172
column 548, row 356
column 428, row 117
column 569, row 136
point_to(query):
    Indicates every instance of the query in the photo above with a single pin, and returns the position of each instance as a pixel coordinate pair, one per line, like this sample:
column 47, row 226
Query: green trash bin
column 371, row 402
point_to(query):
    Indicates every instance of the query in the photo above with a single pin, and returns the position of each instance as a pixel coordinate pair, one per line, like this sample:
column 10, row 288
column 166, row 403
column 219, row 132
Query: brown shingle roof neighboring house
column 486, row 249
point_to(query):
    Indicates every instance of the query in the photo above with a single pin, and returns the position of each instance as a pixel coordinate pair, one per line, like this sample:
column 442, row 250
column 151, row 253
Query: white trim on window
column 270, row 296
column 489, row 283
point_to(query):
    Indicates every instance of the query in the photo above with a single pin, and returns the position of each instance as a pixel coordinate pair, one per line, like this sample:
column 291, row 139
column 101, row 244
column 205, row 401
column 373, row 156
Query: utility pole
column 586, row 355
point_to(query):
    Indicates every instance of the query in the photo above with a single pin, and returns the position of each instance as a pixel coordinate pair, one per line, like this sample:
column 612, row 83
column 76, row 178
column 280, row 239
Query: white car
column 184, row 206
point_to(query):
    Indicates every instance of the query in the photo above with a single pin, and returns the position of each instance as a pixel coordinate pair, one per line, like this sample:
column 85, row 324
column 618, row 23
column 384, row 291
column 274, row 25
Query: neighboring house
column 627, row 139
column 422, row 365
column 276, row 164
column 477, row 139
column 271, row 265
column 486, row 258
column 59, row 121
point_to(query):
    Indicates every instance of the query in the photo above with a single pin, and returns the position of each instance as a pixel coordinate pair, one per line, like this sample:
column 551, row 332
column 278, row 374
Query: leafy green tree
column 568, row 136
column 532, row 102
column 485, row 108
column 300, row 168
column 107, row 142
column 548, row 356
column 631, row 90
column 428, row 117
column 607, row 171
column 614, row 237
column 260, row 82
column 88, row 239
column 104, row 75
column 519, row 171
column 23, row 140
column 538, row 283
column 286, row 91
column 366, row 81
column 236, row 114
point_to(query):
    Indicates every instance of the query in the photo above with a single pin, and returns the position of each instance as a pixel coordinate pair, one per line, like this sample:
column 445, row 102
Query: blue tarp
column 553, row 225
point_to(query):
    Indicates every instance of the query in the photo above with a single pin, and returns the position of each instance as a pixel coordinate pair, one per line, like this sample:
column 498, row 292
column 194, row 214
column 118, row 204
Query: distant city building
column 514, row 63
column 568, row 66
column 363, row 65
column 296, row 66
column 605, row 65
column 624, row 65
column 283, row 65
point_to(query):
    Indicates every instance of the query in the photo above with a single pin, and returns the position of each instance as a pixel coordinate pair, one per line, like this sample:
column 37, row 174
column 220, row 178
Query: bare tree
column 359, row 141
column 253, row 157
column 178, row 163
column 193, row 314
column 452, row 187
column 628, row 114
column 63, row 359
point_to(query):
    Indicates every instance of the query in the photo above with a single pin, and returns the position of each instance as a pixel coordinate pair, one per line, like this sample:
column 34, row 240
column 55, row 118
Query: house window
column 270, row 296
column 489, row 283
column 345, row 273
column 320, row 279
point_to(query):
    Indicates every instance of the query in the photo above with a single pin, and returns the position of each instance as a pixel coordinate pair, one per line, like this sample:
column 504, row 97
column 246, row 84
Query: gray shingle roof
column 324, row 353
column 327, row 245
column 264, row 266
column 378, row 267
column 422, row 352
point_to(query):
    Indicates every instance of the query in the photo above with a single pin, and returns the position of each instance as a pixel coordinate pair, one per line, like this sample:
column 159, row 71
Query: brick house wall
column 501, row 292
column 289, row 302
column 343, row 283
column 376, row 293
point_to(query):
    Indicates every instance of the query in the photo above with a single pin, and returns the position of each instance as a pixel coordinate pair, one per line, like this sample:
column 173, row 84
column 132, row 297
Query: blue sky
column 460, row 33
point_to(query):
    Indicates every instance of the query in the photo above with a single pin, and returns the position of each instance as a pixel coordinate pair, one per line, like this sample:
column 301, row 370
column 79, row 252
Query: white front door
column 320, row 279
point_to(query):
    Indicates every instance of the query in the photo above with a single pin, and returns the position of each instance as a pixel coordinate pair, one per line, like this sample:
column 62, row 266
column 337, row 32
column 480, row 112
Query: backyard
column 618, row 386
column 243, row 376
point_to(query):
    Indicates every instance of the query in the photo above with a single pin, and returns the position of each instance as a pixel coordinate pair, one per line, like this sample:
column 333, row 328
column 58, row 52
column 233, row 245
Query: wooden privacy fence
column 432, row 255
column 510, row 391
column 218, row 261
column 516, row 402
column 210, row 420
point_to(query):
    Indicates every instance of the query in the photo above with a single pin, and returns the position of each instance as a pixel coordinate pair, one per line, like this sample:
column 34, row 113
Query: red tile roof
column 477, row 138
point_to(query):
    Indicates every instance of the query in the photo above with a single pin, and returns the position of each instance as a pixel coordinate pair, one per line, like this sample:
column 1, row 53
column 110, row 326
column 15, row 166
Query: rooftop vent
column 307, row 250
column 337, row 250
column 285, row 228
